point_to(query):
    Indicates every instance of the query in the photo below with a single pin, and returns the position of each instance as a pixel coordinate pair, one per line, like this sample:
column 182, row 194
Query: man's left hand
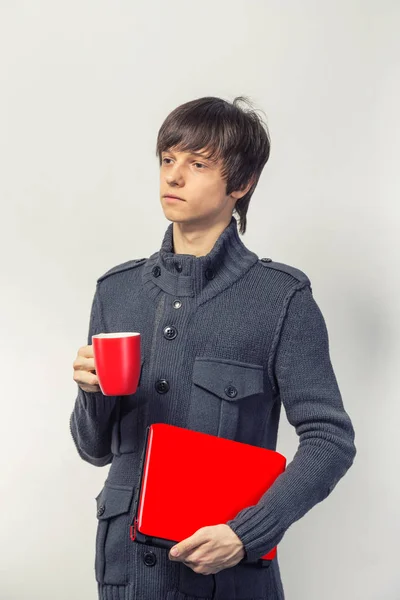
column 210, row 549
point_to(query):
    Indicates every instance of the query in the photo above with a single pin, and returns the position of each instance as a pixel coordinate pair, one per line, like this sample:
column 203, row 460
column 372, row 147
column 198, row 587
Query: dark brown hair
column 239, row 137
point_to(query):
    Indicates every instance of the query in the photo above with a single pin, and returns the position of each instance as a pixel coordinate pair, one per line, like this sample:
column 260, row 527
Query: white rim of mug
column 116, row 335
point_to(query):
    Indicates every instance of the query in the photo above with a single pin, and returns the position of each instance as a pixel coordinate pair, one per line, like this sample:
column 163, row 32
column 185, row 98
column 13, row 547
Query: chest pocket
column 219, row 390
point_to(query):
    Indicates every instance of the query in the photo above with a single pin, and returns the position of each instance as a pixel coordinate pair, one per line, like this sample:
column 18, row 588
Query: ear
column 240, row 193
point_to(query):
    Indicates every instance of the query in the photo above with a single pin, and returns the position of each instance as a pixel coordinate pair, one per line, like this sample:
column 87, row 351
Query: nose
column 174, row 175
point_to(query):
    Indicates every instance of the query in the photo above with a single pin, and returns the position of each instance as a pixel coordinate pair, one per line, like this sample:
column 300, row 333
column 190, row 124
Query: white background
column 84, row 88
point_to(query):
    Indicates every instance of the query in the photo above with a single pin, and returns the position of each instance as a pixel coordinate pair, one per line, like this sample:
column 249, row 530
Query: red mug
column 117, row 360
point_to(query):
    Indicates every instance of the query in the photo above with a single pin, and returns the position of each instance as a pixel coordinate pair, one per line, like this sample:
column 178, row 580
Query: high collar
column 201, row 276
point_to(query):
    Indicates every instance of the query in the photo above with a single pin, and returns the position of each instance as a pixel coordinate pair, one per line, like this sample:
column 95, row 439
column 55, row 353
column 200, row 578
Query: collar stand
column 190, row 275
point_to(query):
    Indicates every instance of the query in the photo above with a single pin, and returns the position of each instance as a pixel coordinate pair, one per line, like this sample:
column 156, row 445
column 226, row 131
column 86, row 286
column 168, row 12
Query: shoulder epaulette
column 296, row 273
column 129, row 264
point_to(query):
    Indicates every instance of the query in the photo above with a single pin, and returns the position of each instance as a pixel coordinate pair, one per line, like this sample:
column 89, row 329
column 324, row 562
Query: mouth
column 172, row 197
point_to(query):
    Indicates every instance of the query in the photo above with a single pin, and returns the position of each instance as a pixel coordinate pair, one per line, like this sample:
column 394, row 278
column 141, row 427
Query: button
column 170, row 332
column 266, row 259
column 101, row 510
column 178, row 267
column 156, row 271
column 231, row 391
column 209, row 274
column 177, row 304
column 149, row 559
column 162, row 386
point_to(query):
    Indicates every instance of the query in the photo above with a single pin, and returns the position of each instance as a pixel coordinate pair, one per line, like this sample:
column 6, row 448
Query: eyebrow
column 201, row 155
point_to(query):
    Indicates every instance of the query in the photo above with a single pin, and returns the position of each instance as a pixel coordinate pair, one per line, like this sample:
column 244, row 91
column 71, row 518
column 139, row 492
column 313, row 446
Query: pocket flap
column 114, row 500
column 228, row 379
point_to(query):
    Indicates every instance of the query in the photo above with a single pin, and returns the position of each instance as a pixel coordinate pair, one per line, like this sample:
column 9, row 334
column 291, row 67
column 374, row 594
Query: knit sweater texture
column 208, row 323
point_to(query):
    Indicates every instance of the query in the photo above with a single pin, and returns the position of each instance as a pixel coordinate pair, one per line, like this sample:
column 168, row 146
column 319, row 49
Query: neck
column 194, row 240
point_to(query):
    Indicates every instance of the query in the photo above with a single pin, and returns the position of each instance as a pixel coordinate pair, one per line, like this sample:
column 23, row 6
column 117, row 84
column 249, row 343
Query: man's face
column 198, row 182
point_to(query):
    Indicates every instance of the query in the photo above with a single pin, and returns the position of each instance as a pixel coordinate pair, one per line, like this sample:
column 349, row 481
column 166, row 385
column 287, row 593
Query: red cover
column 191, row 479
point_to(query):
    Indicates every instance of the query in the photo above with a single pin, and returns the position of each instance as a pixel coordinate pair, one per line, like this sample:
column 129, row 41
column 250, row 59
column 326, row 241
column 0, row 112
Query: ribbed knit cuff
column 259, row 531
column 97, row 405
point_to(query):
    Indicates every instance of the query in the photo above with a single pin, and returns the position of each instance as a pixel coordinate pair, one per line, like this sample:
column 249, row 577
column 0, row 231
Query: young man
column 227, row 338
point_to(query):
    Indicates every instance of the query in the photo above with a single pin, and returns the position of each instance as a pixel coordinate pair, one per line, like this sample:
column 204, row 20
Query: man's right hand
column 85, row 370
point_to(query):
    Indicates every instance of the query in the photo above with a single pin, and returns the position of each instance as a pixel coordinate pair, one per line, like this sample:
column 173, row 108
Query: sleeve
column 92, row 418
column 308, row 389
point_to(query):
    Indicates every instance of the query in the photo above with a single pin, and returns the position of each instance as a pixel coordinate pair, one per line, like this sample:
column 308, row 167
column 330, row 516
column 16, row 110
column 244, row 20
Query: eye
column 166, row 159
column 197, row 163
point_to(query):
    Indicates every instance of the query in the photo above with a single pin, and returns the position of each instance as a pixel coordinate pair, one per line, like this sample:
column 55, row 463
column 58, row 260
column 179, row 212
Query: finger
column 194, row 541
column 185, row 552
column 85, row 377
column 200, row 554
column 84, row 364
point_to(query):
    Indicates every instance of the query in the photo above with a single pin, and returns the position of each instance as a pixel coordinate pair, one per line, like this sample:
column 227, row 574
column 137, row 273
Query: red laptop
column 191, row 479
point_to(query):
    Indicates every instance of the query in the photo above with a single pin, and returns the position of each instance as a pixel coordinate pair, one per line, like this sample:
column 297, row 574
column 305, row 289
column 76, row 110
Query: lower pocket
column 236, row 583
column 112, row 537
